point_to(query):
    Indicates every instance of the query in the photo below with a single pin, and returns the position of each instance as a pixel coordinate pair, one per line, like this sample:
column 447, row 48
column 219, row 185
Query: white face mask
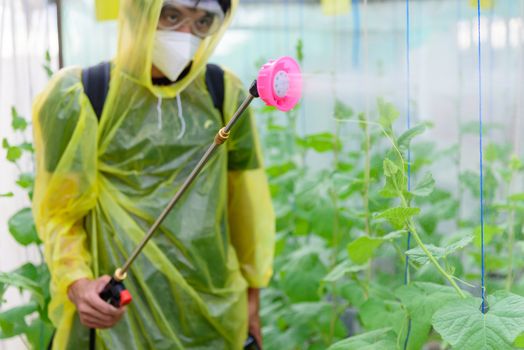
column 172, row 51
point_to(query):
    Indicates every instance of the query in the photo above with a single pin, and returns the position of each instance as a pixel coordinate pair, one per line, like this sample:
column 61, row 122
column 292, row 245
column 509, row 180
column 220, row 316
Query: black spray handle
column 251, row 343
column 115, row 293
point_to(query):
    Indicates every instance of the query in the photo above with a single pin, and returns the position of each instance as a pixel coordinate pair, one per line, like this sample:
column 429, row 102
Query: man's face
column 198, row 21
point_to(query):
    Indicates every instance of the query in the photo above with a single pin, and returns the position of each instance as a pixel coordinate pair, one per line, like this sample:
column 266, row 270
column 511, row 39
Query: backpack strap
column 215, row 86
column 96, row 85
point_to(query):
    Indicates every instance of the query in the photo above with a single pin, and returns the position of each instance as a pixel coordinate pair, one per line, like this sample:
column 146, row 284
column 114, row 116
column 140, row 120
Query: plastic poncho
column 101, row 184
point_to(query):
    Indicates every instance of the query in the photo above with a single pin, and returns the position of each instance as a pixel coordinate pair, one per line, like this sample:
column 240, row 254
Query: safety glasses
column 204, row 19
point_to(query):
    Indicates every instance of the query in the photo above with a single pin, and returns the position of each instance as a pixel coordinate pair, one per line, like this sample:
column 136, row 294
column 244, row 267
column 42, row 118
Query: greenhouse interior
column 247, row 174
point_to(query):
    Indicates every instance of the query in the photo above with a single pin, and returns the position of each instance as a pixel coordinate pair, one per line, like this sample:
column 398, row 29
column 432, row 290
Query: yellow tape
column 106, row 10
column 484, row 4
column 335, row 7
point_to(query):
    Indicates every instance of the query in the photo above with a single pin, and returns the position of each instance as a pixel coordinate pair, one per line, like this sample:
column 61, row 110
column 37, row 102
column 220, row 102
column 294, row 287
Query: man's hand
column 253, row 300
column 93, row 311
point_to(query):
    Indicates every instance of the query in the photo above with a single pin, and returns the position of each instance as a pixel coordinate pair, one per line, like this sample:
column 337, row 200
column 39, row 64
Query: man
column 101, row 182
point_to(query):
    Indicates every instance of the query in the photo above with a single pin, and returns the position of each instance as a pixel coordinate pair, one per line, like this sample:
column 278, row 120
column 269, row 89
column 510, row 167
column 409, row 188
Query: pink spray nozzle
column 279, row 83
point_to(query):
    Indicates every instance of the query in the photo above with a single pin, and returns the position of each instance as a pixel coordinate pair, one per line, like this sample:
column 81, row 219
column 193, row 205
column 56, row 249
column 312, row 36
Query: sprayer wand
column 115, row 292
column 279, row 84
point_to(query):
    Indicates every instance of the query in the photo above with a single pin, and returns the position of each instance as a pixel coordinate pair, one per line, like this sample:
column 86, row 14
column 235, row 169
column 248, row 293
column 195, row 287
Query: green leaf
column 5, row 143
column 363, row 122
column 396, row 180
column 8, row 194
column 12, row 321
column 353, row 293
column 322, row 142
column 391, row 188
column 378, row 312
column 280, row 169
column 17, row 280
column 39, row 333
column 300, row 286
column 404, row 140
column 29, row 271
column 22, row 227
column 515, row 163
column 13, row 154
column 344, row 185
column 26, row 180
column 387, row 114
column 418, row 255
column 383, row 338
column 443, row 206
column 48, row 71
column 342, row 111
column 516, row 197
column 461, row 243
column 425, row 186
column 519, row 341
column 27, row 146
column 362, row 248
column 299, row 49
column 47, row 65
column 398, row 216
column 390, row 168
column 315, row 316
column 422, row 300
column 463, row 325
column 394, row 235
column 493, row 152
column 284, row 338
column 489, row 232
column 341, row 270
column 18, row 122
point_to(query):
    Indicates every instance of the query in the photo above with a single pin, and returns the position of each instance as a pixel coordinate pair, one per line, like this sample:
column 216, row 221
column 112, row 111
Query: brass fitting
column 221, row 136
column 119, row 275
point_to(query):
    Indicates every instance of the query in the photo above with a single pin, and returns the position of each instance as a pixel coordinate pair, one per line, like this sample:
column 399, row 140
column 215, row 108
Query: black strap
column 215, row 86
column 96, row 85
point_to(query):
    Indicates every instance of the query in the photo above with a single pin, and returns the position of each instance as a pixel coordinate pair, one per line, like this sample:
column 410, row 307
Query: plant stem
column 411, row 228
column 432, row 259
column 367, row 171
column 336, row 224
column 334, row 316
column 511, row 241
column 365, row 199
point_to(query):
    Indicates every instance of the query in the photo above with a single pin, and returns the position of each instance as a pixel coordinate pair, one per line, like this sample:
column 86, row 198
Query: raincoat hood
column 138, row 21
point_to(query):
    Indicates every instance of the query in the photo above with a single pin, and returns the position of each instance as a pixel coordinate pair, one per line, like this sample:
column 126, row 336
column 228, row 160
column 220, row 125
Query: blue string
column 356, row 33
column 483, row 272
column 408, row 125
column 407, row 335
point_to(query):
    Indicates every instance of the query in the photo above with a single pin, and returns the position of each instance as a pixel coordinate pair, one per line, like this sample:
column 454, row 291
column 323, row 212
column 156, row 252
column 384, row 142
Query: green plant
column 342, row 227
column 28, row 321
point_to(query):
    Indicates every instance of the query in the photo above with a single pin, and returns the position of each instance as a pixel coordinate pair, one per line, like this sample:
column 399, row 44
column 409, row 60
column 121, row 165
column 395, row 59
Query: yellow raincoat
column 100, row 185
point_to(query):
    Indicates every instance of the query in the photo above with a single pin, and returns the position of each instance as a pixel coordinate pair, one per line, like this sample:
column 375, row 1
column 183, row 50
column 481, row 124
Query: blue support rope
column 483, row 307
column 356, row 33
column 408, row 125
